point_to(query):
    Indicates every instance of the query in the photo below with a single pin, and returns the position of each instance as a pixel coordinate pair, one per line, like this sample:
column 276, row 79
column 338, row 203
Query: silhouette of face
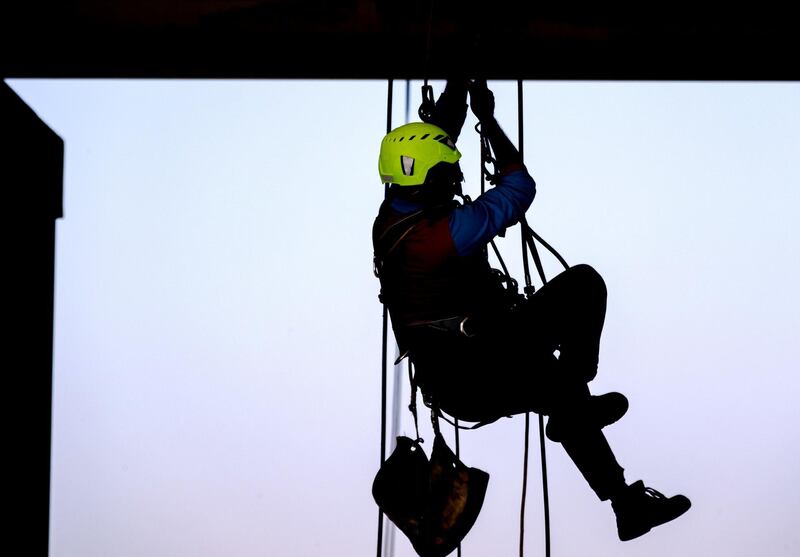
column 445, row 176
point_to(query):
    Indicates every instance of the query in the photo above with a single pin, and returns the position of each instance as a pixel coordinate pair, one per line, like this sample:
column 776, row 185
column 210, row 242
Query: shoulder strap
column 390, row 238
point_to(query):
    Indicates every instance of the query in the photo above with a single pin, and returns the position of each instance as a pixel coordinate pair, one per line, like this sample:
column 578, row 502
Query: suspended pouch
column 436, row 503
column 456, row 497
column 401, row 487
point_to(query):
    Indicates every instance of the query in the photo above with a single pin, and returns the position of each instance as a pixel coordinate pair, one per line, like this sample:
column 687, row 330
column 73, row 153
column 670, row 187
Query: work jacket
column 432, row 261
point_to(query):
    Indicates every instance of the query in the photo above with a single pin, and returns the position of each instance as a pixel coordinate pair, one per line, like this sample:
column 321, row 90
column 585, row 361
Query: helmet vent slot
column 408, row 165
column 445, row 140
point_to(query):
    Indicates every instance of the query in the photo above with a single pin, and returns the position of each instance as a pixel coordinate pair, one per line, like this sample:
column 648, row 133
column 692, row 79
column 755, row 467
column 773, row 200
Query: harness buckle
column 463, row 330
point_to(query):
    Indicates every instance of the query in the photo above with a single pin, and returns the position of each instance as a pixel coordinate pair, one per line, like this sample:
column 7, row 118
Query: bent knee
column 589, row 278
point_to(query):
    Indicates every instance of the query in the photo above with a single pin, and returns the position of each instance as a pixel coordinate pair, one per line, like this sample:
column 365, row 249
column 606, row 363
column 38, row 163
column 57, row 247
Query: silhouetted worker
column 481, row 352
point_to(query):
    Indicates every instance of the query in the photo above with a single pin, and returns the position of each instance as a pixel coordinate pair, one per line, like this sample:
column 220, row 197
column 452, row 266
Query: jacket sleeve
column 473, row 225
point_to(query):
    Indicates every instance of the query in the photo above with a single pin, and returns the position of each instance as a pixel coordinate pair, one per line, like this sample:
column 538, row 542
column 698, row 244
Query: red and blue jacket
column 433, row 262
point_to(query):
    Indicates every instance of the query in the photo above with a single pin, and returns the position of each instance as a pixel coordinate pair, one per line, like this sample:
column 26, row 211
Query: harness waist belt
column 458, row 324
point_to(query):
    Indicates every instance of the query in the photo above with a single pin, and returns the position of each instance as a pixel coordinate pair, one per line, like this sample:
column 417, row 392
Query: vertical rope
column 397, row 383
column 527, row 241
column 528, row 292
column 408, row 101
column 520, row 133
column 458, row 456
column 524, row 228
column 545, row 496
column 384, row 342
column 428, row 42
column 524, row 485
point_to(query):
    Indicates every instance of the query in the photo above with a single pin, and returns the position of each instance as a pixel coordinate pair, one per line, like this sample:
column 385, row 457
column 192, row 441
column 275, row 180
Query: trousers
column 537, row 357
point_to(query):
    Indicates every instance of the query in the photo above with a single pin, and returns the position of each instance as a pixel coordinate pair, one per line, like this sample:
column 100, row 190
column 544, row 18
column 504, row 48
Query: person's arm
column 450, row 110
column 475, row 224
column 505, row 153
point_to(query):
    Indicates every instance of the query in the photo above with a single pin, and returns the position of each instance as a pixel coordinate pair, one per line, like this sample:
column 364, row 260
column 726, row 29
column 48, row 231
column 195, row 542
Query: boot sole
column 638, row 533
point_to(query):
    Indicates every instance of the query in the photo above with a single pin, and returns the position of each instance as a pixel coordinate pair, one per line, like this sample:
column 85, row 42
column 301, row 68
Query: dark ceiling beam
column 378, row 39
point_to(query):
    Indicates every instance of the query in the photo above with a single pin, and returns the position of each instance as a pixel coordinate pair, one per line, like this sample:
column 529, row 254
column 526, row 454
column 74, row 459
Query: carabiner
column 428, row 105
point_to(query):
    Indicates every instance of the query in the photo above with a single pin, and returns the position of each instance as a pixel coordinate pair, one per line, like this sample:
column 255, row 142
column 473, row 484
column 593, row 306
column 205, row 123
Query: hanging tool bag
column 433, row 502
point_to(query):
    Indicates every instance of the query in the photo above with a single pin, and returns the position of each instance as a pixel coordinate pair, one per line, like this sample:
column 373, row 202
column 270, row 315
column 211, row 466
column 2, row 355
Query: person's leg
column 595, row 460
column 568, row 313
column 503, row 374
column 482, row 380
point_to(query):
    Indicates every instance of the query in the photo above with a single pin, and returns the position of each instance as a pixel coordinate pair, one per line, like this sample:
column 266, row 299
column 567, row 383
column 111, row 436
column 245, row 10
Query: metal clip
column 428, row 104
column 463, row 331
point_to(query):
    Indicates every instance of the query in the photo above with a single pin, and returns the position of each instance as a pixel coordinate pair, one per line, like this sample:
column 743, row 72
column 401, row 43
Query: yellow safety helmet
column 410, row 151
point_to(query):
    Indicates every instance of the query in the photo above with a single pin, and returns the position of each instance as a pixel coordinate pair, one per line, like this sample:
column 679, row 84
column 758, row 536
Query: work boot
column 596, row 413
column 639, row 508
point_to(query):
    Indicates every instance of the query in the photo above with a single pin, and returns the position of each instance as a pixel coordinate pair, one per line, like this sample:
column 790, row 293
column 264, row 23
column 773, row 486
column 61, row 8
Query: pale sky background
column 217, row 334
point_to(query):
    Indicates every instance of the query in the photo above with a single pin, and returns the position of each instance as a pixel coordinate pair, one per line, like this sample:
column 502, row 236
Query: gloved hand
column 481, row 100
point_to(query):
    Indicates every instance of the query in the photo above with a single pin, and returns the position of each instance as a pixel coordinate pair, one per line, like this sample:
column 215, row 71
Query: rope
column 384, row 341
column 458, row 457
column 412, row 405
column 528, row 241
column 524, row 225
column 527, row 236
column 524, row 485
column 428, row 41
column 486, row 158
column 545, row 496
column 428, row 104
column 528, row 293
column 549, row 248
